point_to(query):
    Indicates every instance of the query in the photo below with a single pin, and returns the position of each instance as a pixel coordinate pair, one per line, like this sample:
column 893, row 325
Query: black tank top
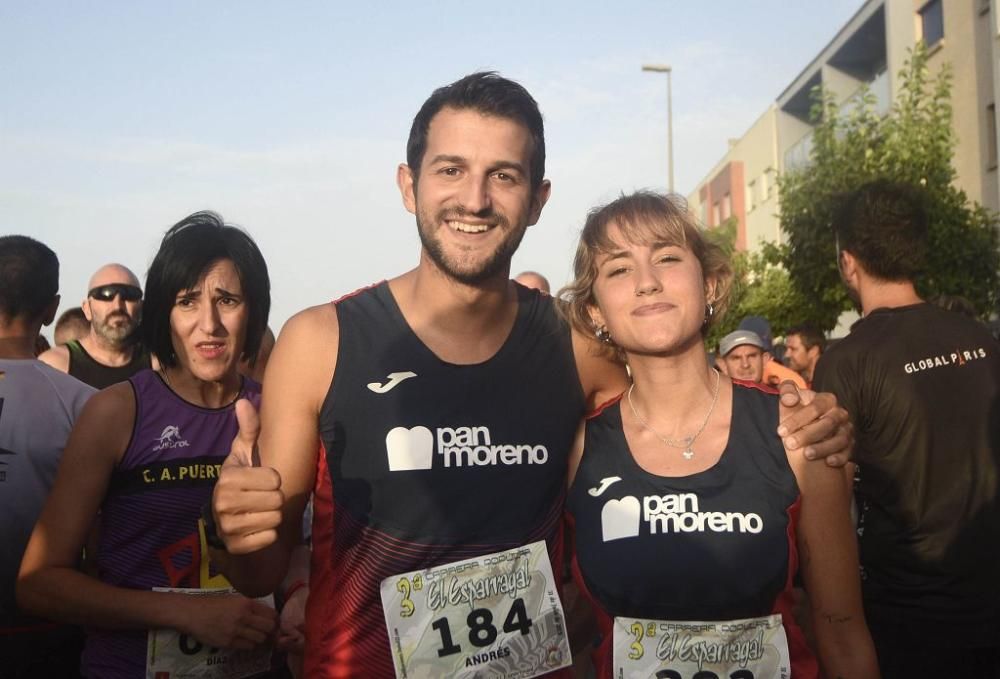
column 83, row 367
column 716, row 545
column 428, row 462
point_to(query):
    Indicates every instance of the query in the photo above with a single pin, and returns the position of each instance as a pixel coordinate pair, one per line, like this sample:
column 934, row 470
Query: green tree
column 761, row 286
column 914, row 143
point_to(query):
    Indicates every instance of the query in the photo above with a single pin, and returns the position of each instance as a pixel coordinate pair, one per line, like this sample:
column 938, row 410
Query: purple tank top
column 150, row 534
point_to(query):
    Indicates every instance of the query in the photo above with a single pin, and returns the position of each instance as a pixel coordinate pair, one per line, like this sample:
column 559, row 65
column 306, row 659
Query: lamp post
column 663, row 68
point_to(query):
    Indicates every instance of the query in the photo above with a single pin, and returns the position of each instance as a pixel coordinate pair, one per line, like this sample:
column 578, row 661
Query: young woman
column 690, row 518
column 142, row 461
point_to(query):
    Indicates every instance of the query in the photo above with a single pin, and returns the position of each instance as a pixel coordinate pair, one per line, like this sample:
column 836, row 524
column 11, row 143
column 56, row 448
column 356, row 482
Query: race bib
column 170, row 654
column 497, row 615
column 755, row 648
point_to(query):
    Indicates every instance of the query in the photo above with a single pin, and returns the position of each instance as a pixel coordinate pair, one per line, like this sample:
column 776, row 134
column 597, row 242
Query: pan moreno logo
column 417, row 448
column 676, row 513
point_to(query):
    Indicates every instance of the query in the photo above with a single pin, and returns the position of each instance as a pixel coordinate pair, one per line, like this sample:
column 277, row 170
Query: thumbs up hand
column 247, row 499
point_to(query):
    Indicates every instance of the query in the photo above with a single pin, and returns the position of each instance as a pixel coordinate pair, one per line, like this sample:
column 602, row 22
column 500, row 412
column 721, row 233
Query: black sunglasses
column 107, row 293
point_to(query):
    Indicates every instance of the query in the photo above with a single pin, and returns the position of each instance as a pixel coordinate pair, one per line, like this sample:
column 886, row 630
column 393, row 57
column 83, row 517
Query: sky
column 117, row 119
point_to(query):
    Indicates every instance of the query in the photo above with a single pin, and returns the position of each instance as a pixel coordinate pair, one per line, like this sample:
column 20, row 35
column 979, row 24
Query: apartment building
column 869, row 50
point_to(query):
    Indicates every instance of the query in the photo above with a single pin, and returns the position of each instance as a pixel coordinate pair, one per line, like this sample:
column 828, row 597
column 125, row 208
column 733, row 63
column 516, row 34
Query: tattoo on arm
column 833, row 618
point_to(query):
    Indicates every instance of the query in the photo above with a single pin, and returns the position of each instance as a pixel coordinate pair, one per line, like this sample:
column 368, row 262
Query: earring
column 709, row 312
column 603, row 335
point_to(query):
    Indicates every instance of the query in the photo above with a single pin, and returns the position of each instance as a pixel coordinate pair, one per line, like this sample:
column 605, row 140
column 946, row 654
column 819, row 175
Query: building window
column 715, row 214
column 727, row 207
column 932, row 22
column 991, row 137
column 752, row 194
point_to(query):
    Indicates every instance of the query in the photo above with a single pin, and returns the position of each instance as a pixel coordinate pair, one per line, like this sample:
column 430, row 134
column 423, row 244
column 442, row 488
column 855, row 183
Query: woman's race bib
column 171, row 654
column 755, row 648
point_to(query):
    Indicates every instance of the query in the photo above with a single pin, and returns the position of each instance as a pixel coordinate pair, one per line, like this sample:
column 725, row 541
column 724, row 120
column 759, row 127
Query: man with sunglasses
column 109, row 353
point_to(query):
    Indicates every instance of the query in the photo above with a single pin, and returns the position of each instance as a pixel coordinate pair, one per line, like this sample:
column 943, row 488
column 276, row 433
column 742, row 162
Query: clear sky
column 117, row 119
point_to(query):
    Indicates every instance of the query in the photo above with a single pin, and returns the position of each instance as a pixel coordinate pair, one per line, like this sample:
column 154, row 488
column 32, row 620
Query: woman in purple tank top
column 142, row 461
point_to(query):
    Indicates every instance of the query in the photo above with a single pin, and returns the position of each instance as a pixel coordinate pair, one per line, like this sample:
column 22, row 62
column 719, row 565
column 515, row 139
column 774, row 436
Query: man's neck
column 460, row 323
column 17, row 339
column 879, row 294
column 107, row 353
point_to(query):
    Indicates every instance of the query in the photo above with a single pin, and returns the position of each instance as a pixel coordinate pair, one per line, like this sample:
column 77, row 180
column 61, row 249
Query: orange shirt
column 775, row 374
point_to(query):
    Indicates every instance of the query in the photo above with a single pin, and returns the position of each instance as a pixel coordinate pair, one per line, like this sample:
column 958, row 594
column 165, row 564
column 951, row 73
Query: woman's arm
column 829, row 562
column 49, row 584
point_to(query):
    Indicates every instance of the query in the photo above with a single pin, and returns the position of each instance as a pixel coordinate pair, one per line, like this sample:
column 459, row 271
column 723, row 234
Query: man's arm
column 57, row 357
column 814, row 424
column 810, row 421
column 601, row 377
column 258, row 504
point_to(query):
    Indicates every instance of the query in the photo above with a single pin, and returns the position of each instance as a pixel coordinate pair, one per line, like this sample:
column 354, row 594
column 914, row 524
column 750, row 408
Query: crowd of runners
column 453, row 473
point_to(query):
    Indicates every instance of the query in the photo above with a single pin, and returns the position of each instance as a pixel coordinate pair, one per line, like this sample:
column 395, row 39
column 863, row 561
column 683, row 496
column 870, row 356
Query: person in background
column 742, row 352
column 38, row 406
column 531, row 279
column 72, row 324
column 804, row 344
column 110, row 352
column 923, row 387
column 774, row 371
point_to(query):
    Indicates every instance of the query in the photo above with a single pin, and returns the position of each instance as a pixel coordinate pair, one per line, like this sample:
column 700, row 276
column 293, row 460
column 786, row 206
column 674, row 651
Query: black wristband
column 211, row 533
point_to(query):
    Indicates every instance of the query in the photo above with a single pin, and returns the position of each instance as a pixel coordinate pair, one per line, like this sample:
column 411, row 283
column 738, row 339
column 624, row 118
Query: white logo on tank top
column 678, row 513
column 394, row 379
column 414, row 449
column 170, row 438
column 605, row 484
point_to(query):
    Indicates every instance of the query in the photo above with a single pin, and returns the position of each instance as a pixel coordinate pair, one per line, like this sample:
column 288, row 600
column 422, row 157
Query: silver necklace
column 686, row 442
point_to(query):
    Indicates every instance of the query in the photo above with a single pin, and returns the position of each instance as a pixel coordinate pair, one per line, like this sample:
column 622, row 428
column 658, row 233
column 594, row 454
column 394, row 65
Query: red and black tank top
column 425, row 462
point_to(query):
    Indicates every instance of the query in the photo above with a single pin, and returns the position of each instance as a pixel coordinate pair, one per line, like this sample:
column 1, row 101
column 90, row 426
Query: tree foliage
column 914, row 143
column 761, row 286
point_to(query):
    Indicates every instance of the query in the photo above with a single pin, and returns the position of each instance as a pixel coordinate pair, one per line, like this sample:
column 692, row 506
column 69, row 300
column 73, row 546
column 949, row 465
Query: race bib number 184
column 496, row 615
column 755, row 648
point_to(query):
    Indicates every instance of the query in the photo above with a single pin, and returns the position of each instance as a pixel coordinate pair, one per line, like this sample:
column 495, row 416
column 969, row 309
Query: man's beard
column 120, row 334
column 498, row 262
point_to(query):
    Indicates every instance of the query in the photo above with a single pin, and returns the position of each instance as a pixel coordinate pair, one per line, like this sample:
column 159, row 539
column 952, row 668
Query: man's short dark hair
column 810, row 336
column 490, row 94
column 884, row 225
column 187, row 251
column 29, row 277
column 71, row 318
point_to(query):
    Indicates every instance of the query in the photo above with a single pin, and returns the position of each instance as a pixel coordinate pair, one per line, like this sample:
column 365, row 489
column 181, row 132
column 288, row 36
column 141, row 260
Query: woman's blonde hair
column 642, row 217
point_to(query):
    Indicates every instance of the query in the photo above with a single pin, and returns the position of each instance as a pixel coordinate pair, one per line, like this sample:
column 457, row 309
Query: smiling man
column 109, row 352
column 443, row 404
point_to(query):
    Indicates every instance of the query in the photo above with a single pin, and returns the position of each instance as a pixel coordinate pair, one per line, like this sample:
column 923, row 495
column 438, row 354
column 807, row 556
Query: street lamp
column 662, row 68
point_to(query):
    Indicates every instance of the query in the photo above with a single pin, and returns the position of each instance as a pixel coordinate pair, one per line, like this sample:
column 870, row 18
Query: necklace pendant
column 688, row 454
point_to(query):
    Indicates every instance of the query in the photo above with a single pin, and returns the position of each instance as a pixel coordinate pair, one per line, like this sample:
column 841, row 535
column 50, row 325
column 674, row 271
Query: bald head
column 530, row 279
column 113, row 273
column 113, row 317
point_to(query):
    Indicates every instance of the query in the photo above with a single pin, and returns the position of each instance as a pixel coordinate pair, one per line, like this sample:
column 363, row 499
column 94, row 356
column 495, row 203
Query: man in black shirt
column 109, row 353
column 922, row 386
